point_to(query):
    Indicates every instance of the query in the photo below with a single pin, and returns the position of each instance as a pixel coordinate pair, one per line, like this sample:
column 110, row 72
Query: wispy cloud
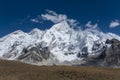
column 53, row 16
column 34, row 20
column 90, row 25
column 56, row 18
column 114, row 24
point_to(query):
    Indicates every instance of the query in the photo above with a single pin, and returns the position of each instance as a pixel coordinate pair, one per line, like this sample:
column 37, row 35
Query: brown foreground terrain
column 13, row 70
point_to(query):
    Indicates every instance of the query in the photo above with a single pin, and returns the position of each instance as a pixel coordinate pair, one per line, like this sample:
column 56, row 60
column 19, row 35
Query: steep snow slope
column 64, row 43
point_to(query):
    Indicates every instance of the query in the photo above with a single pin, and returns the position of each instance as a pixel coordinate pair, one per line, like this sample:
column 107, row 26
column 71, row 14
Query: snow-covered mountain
column 59, row 44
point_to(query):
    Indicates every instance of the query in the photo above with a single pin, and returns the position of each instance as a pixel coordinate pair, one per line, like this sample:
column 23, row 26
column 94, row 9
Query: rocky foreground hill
column 13, row 70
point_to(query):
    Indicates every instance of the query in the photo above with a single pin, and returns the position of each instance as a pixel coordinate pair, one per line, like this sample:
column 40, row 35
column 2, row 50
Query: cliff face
column 110, row 57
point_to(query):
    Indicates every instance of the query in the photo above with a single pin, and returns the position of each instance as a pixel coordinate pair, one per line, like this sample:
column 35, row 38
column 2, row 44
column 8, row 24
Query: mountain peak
column 34, row 31
column 61, row 26
column 18, row 32
column 63, row 42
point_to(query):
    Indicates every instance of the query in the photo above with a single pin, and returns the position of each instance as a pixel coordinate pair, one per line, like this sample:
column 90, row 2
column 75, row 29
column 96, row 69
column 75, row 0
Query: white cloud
column 34, row 20
column 114, row 24
column 90, row 25
column 53, row 16
column 73, row 22
column 56, row 18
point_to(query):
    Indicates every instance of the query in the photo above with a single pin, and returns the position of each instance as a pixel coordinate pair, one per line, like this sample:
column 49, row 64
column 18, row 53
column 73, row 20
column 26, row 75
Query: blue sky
column 16, row 14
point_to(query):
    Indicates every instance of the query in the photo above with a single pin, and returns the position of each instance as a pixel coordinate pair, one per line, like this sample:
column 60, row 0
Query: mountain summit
column 60, row 44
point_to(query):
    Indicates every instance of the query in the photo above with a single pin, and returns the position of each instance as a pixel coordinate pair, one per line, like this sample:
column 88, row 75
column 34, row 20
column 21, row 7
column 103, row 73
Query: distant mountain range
column 62, row 45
